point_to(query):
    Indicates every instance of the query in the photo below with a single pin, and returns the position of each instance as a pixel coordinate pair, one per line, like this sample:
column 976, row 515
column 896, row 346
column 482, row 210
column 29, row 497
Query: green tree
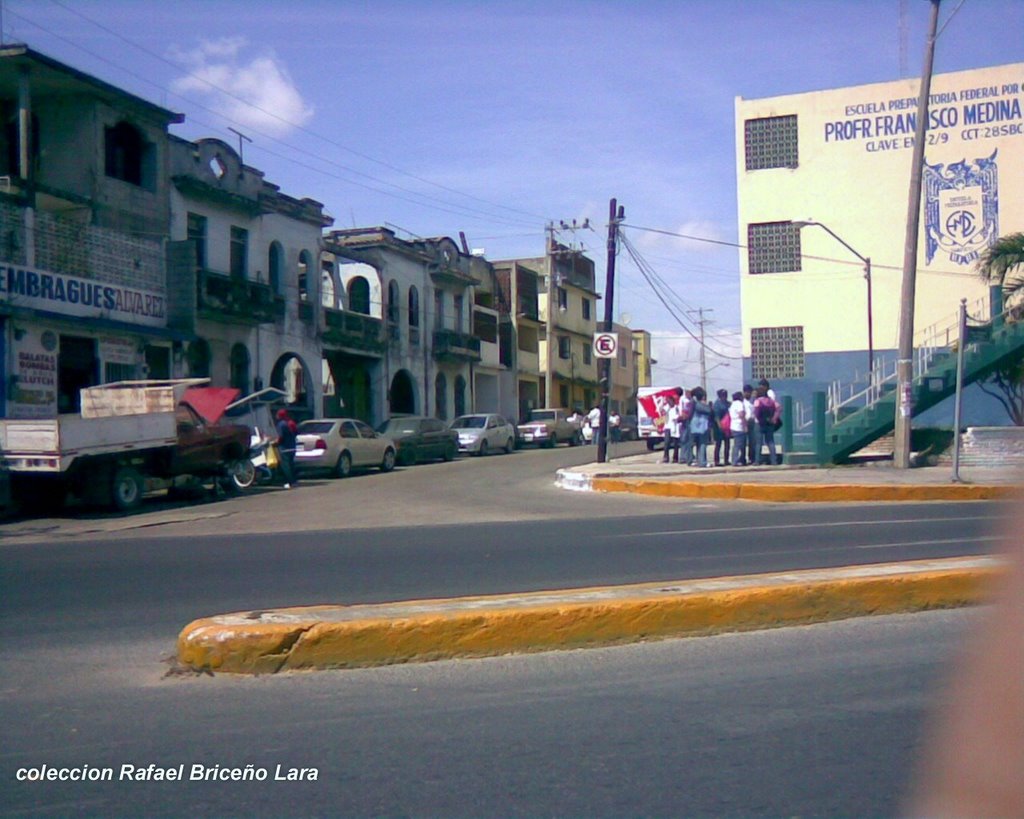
column 1003, row 265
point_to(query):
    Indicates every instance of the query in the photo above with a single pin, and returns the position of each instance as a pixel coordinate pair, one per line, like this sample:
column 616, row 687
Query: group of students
column 742, row 426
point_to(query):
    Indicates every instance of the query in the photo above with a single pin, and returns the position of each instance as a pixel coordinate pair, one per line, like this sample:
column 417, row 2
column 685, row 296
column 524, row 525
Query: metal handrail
column 929, row 341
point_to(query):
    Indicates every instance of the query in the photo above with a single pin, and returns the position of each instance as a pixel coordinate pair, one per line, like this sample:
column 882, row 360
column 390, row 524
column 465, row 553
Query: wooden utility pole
column 905, row 361
column 615, row 216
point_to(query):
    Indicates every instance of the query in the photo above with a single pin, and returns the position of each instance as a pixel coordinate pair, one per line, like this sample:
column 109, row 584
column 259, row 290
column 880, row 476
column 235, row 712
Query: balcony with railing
column 451, row 345
column 224, row 297
column 354, row 331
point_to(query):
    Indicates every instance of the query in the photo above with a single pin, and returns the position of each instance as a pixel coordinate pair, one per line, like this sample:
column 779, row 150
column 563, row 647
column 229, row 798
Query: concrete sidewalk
column 645, row 474
column 321, row 637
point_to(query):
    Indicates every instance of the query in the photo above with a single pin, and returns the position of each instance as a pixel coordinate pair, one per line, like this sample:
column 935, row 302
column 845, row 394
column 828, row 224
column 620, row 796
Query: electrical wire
column 427, row 201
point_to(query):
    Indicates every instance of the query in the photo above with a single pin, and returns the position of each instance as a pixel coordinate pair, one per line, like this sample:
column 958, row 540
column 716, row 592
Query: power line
column 428, row 201
column 309, row 131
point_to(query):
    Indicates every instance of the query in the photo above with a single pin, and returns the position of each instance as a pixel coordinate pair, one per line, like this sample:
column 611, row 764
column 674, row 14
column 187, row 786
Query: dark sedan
column 419, row 438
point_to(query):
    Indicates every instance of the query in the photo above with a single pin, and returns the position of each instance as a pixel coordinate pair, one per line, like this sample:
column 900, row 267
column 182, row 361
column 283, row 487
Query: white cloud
column 255, row 92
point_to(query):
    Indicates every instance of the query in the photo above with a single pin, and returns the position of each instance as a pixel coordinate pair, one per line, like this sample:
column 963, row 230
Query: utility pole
column 703, row 359
column 616, row 215
column 905, row 361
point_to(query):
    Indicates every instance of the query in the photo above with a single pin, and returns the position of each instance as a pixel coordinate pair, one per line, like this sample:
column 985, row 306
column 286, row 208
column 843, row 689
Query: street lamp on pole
column 867, row 277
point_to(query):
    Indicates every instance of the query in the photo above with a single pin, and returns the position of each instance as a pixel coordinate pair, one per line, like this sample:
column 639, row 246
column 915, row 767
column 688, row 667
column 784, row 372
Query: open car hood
column 210, row 402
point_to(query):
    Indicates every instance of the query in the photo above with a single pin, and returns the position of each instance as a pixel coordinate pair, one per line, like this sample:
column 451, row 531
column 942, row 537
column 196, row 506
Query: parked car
column 481, row 433
column 340, row 445
column 418, row 438
column 547, row 427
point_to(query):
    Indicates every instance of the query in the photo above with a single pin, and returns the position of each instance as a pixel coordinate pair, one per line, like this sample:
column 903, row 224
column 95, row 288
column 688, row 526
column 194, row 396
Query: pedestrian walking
column 720, row 411
column 615, row 427
column 286, row 429
column 700, row 425
column 738, row 429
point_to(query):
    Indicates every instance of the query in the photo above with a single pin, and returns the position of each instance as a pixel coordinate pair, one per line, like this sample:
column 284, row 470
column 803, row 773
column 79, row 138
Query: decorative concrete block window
column 773, row 247
column 776, row 352
column 771, row 142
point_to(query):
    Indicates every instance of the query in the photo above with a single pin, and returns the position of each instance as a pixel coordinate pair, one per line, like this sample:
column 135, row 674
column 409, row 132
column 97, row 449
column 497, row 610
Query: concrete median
column 802, row 492
column 322, row 637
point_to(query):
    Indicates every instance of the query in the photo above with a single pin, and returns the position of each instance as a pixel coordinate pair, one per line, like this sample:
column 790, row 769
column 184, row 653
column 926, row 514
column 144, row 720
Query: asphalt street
column 816, row 720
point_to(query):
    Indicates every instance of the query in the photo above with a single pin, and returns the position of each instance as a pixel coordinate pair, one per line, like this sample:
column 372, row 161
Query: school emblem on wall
column 962, row 208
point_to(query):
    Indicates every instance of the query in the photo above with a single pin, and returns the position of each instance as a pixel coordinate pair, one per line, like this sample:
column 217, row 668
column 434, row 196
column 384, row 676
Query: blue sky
column 442, row 116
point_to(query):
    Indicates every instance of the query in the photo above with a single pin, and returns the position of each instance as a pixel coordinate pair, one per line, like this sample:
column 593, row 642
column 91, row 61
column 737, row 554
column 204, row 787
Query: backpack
column 764, row 411
column 726, row 425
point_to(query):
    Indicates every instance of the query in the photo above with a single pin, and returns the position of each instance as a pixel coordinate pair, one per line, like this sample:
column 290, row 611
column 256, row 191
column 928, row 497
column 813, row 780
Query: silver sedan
column 339, row 445
column 484, row 432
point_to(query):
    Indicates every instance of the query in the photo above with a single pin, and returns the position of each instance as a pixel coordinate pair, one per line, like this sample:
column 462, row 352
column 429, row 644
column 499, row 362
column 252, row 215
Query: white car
column 340, row 445
column 481, row 433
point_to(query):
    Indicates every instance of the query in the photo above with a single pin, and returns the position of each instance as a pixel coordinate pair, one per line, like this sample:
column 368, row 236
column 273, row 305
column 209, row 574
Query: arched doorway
column 291, row 375
column 240, row 368
column 402, row 394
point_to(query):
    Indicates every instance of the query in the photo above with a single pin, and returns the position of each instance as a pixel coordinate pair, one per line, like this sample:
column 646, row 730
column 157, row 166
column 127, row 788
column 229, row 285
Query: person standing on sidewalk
column 753, row 454
column 700, row 425
column 738, row 429
column 765, row 416
column 720, row 409
column 685, row 436
column 673, row 429
column 286, row 429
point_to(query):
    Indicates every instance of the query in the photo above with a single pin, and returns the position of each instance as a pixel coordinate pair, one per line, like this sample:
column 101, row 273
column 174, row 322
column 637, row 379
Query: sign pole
column 615, row 216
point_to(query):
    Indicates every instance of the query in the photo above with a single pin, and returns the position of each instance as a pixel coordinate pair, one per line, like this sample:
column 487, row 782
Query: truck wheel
column 552, row 441
column 483, row 448
column 449, row 453
column 509, row 446
column 242, row 472
column 651, row 444
column 126, row 488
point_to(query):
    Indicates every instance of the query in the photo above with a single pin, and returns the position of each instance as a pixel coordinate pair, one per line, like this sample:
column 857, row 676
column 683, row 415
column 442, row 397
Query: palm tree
column 1003, row 264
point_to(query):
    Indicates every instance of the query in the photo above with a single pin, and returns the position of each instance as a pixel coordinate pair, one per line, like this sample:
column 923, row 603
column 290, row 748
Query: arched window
column 394, row 297
column 460, row 396
column 441, row 397
column 199, row 359
column 240, row 368
column 303, row 280
column 359, row 296
column 414, row 315
column 275, row 266
column 125, row 150
column 327, row 284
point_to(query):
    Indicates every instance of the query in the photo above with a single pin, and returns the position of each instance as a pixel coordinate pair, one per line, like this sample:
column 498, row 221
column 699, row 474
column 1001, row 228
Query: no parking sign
column 605, row 345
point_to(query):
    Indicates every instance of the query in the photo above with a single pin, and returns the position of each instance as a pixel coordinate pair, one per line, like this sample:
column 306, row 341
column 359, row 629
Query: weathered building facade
column 84, row 215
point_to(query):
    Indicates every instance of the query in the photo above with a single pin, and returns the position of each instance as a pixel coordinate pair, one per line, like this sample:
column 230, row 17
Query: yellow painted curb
column 800, row 492
column 321, row 637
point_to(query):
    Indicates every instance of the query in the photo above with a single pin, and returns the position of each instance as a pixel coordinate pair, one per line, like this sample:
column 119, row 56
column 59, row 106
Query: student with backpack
column 766, row 415
column 738, row 429
column 720, row 409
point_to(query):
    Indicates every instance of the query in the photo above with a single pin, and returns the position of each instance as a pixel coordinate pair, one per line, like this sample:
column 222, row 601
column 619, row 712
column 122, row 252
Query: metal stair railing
column 928, row 343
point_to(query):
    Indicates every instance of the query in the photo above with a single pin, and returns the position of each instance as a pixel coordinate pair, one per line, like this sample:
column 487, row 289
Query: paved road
column 818, row 720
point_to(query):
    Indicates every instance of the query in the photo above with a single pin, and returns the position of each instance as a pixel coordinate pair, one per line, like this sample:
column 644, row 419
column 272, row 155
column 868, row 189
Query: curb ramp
column 335, row 637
